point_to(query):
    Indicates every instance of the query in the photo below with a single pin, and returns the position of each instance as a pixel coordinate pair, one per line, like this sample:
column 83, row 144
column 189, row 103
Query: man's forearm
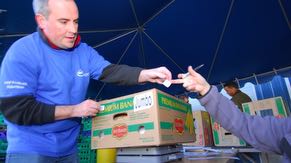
column 64, row 112
column 120, row 74
column 25, row 110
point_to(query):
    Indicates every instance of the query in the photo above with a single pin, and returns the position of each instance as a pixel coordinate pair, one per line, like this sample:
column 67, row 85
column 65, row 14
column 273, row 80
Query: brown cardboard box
column 203, row 129
column 223, row 137
column 271, row 106
column 148, row 118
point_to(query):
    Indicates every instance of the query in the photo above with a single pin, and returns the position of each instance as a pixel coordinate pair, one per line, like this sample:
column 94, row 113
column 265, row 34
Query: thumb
column 192, row 71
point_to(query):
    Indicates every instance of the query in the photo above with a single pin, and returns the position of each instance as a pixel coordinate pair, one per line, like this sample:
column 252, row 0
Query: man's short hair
column 41, row 7
column 231, row 84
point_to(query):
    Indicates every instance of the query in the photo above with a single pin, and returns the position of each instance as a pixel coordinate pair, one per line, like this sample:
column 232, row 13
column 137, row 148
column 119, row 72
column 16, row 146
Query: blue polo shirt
column 56, row 77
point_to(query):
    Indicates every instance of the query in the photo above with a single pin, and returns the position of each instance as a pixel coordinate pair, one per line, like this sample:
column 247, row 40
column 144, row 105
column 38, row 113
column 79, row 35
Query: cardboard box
column 148, row 118
column 203, row 129
column 267, row 107
column 223, row 137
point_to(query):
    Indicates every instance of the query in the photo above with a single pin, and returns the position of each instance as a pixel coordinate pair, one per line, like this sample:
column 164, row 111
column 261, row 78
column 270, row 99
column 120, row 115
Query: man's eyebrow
column 64, row 19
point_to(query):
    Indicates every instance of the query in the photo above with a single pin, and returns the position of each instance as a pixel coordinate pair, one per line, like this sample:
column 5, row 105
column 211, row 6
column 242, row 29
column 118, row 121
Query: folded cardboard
column 148, row 118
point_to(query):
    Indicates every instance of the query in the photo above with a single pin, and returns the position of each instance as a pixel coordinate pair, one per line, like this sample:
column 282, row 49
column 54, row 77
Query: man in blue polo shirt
column 43, row 81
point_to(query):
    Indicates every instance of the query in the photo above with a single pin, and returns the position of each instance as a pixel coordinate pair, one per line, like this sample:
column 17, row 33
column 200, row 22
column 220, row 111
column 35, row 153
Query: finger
column 166, row 73
column 93, row 112
column 191, row 88
column 158, row 81
column 160, row 75
column 177, row 81
column 180, row 76
column 192, row 71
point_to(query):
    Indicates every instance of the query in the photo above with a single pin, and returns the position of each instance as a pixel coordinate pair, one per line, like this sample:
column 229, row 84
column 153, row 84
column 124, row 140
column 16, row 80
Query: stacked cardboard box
column 148, row 118
column 203, row 129
column 267, row 107
column 223, row 137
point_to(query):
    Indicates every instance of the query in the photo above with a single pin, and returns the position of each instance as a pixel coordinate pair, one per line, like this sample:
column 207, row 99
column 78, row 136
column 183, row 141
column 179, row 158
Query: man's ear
column 40, row 20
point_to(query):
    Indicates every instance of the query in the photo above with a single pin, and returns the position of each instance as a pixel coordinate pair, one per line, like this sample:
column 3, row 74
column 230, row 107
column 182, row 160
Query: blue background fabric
column 233, row 39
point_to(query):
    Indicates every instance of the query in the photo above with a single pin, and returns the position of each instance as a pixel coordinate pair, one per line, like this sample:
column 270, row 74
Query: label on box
column 143, row 101
column 119, row 131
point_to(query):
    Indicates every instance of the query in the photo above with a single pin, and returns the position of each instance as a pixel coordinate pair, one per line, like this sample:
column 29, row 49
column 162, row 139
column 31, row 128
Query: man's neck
column 52, row 45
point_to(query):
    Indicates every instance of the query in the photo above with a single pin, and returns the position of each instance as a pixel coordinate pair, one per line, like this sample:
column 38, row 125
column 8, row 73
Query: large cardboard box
column 203, row 129
column 148, row 118
column 223, row 137
column 267, row 107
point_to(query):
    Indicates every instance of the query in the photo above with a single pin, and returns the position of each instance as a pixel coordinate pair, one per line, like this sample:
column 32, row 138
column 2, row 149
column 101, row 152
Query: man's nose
column 73, row 27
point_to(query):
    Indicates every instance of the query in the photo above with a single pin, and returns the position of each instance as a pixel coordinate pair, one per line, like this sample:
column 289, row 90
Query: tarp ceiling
column 232, row 38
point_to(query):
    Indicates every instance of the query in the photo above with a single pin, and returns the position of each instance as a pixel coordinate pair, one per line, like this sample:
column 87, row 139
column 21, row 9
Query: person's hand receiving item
column 193, row 82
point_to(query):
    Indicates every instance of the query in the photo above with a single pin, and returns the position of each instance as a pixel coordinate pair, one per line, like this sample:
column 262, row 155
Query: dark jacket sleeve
column 120, row 74
column 25, row 110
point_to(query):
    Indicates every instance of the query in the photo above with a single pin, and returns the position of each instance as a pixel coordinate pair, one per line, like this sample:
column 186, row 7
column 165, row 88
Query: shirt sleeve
column 96, row 63
column 121, row 74
column 18, row 80
column 263, row 133
column 18, row 72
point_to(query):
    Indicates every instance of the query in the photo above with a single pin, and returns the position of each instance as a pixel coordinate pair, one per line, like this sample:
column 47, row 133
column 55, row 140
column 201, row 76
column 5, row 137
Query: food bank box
column 148, row 118
column 267, row 107
column 203, row 131
column 222, row 137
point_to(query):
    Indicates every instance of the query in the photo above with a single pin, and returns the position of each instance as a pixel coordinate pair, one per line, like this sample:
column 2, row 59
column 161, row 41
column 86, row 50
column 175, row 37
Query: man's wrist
column 64, row 112
column 205, row 90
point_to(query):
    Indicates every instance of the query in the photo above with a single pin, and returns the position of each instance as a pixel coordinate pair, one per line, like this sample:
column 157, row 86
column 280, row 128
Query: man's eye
column 63, row 21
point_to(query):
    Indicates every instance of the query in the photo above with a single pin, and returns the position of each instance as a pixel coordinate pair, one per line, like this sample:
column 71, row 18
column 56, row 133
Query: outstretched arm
column 262, row 133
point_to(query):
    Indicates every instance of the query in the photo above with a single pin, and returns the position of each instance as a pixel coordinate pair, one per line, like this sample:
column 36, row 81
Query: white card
column 167, row 83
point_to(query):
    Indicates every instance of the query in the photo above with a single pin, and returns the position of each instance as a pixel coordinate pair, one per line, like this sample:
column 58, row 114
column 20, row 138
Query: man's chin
column 67, row 46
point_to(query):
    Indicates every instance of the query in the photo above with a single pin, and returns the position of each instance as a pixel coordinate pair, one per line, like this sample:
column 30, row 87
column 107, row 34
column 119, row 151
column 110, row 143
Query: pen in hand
column 195, row 69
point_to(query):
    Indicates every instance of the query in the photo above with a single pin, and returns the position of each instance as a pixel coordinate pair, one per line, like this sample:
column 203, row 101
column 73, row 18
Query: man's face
column 230, row 90
column 61, row 26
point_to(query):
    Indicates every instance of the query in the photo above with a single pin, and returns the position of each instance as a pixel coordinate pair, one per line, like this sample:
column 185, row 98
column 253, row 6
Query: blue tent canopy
column 233, row 39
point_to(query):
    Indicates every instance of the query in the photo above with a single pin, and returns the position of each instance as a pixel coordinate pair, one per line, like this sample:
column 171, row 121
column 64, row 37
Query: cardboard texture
column 223, row 137
column 267, row 107
column 203, row 129
column 148, row 118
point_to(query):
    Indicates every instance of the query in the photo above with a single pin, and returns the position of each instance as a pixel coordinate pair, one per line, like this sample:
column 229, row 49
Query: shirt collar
column 52, row 45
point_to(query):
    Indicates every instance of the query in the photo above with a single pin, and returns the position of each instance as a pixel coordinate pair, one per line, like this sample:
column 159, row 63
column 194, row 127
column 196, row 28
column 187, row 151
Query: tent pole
column 99, row 92
column 113, row 39
column 155, row 15
column 220, row 40
column 285, row 14
column 164, row 52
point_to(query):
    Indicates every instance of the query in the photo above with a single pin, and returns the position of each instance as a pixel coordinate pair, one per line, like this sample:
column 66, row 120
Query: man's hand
column 193, row 82
column 156, row 75
column 87, row 108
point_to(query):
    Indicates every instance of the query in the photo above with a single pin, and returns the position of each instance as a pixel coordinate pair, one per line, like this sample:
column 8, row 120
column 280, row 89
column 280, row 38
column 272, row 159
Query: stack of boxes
column 154, row 119
column 149, row 118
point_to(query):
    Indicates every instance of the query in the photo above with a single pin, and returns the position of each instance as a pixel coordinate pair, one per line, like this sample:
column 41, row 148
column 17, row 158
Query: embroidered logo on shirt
column 81, row 73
